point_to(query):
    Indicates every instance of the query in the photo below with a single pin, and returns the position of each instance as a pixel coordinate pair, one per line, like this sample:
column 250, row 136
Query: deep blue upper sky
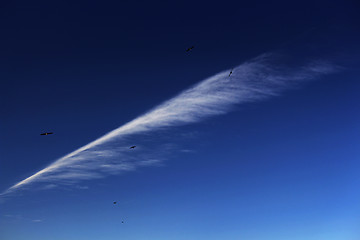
column 285, row 168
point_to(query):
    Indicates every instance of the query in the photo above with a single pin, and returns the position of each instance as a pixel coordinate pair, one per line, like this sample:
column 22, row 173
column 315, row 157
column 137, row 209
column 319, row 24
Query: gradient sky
column 280, row 167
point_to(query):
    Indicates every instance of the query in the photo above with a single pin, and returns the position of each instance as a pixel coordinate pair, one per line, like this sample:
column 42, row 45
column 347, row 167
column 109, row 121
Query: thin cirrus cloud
column 255, row 80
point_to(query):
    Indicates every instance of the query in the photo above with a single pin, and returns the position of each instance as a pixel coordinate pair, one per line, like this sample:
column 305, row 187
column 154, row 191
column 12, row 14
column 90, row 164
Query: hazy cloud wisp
column 252, row 81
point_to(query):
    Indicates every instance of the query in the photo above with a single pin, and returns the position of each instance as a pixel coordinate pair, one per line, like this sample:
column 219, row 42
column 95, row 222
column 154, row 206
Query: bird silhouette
column 189, row 49
column 47, row 133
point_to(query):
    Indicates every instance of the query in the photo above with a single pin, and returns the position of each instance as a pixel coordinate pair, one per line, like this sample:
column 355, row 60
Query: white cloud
column 37, row 220
column 49, row 186
column 252, row 81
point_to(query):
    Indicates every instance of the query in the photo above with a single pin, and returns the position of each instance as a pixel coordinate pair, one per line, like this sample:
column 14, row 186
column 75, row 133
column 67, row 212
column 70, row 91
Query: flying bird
column 122, row 221
column 47, row 133
column 114, row 202
column 189, row 49
column 132, row 147
column 230, row 72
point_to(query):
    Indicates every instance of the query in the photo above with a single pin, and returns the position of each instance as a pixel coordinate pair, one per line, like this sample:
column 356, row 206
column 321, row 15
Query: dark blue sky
column 282, row 168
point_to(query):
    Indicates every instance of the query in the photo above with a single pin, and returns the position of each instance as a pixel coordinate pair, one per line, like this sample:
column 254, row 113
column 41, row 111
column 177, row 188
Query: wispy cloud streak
column 256, row 80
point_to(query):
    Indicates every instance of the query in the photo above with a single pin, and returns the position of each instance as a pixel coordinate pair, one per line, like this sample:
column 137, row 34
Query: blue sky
column 267, row 153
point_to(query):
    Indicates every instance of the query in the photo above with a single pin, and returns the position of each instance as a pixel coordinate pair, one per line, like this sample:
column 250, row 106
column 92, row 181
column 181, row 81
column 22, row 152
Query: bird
column 132, row 147
column 122, row 221
column 189, row 49
column 114, row 202
column 230, row 73
column 47, row 133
